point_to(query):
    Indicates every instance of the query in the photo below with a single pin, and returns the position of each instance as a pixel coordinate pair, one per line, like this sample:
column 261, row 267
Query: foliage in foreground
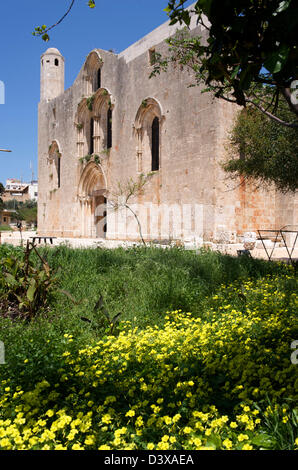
column 268, row 152
column 222, row 381
column 25, row 288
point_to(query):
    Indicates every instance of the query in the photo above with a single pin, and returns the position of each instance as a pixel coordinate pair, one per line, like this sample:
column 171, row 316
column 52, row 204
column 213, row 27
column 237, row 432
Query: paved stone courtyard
column 279, row 253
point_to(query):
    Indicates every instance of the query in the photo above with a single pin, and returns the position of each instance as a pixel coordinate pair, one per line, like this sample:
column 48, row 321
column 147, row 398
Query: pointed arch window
column 59, row 171
column 155, row 144
column 91, row 142
column 54, row 161
column 99, row 78
column 109, row 128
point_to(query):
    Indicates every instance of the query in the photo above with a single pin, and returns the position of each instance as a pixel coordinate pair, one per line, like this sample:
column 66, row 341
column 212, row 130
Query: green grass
column 141, row 283
column 144, row 284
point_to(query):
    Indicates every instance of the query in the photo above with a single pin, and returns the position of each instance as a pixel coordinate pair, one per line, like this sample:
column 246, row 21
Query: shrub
column 24, row 287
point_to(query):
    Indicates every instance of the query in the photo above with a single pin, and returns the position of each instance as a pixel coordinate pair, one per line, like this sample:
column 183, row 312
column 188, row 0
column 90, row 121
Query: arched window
column 109, row 128
column 148, row 132
column 92, row 72
column 91, row 142
column 58, row 171
column 155, row 144
column 54, row 162
column 99, row 78
column 56, row 62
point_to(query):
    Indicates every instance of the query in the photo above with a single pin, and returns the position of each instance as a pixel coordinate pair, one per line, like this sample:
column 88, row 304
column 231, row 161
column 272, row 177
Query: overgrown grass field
column 151, row 348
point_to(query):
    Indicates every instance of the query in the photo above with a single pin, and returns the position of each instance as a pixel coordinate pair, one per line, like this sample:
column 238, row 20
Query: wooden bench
column 50, row 239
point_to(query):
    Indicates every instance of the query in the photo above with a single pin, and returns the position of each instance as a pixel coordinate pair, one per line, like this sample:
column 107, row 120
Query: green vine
column 89, row 102
column 87, row 159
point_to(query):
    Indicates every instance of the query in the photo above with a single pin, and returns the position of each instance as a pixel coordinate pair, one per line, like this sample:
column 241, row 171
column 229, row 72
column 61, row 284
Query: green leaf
column 214, row 442
column 31, row 290
column 263, row 440
column 10, row 279
column 245, row 78
column 275, row 62
column 283, row 6
column 206, row 5
column 235, row 72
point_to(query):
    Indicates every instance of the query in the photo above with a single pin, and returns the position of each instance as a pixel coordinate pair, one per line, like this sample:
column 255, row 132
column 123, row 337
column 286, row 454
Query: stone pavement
column 279, row 253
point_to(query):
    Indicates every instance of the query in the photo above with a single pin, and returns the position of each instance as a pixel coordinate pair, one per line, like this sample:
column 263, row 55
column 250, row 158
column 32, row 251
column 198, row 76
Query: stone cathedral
column 113, row 125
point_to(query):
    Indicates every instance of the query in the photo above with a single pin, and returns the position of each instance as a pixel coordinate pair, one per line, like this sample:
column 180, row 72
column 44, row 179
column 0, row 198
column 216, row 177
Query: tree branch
column 61, row 19
column 293, row 125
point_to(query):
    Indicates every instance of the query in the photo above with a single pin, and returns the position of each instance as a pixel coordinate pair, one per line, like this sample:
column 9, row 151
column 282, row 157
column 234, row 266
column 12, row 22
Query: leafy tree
column 250, row 55
column 26, row 211
column 268, row 152
column 2, row 189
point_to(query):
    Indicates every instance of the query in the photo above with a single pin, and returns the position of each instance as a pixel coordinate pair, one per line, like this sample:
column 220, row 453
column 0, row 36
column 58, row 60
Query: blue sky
column 111, row 25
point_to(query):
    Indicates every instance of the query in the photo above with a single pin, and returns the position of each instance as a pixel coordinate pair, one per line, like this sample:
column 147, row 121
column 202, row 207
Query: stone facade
column 115, row 124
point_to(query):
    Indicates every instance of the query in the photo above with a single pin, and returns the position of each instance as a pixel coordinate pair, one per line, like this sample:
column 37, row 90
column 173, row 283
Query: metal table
column 279, row 233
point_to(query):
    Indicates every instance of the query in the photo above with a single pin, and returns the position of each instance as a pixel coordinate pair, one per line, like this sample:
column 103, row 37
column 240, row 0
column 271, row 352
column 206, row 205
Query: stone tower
column 51, row 74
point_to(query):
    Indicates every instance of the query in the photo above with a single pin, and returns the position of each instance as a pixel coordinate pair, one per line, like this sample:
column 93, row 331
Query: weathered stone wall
column 189, row 196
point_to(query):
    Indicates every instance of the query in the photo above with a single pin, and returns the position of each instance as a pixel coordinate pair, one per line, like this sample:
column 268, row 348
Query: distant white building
column 15, row 189
column 33, row 190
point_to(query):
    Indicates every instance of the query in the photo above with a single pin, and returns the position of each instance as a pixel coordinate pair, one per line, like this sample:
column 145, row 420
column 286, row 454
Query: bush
column 25, row 288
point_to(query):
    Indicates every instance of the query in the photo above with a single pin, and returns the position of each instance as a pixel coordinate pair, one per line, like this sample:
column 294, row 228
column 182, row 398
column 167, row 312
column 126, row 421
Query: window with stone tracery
column 147, row 128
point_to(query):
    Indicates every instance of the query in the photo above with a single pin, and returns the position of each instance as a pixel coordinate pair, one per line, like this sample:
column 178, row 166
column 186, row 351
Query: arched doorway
column 93, row 200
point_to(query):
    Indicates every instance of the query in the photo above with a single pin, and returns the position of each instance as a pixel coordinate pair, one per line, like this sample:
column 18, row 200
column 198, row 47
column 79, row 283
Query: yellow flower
column 89, row 440
column 228, row 444
column 106, row 419
column 242, row 437
column 187, row 430
column 77, row 447
column 130, row 413
column 247, row 447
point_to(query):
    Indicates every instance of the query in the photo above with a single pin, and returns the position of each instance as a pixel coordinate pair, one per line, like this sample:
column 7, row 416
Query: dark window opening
column 99, row 78
column 155, row 144
column 105, row 216
column 56, row 62
column 109, row 129
column 91, row 143
column 152, row 56
column 59, row 171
